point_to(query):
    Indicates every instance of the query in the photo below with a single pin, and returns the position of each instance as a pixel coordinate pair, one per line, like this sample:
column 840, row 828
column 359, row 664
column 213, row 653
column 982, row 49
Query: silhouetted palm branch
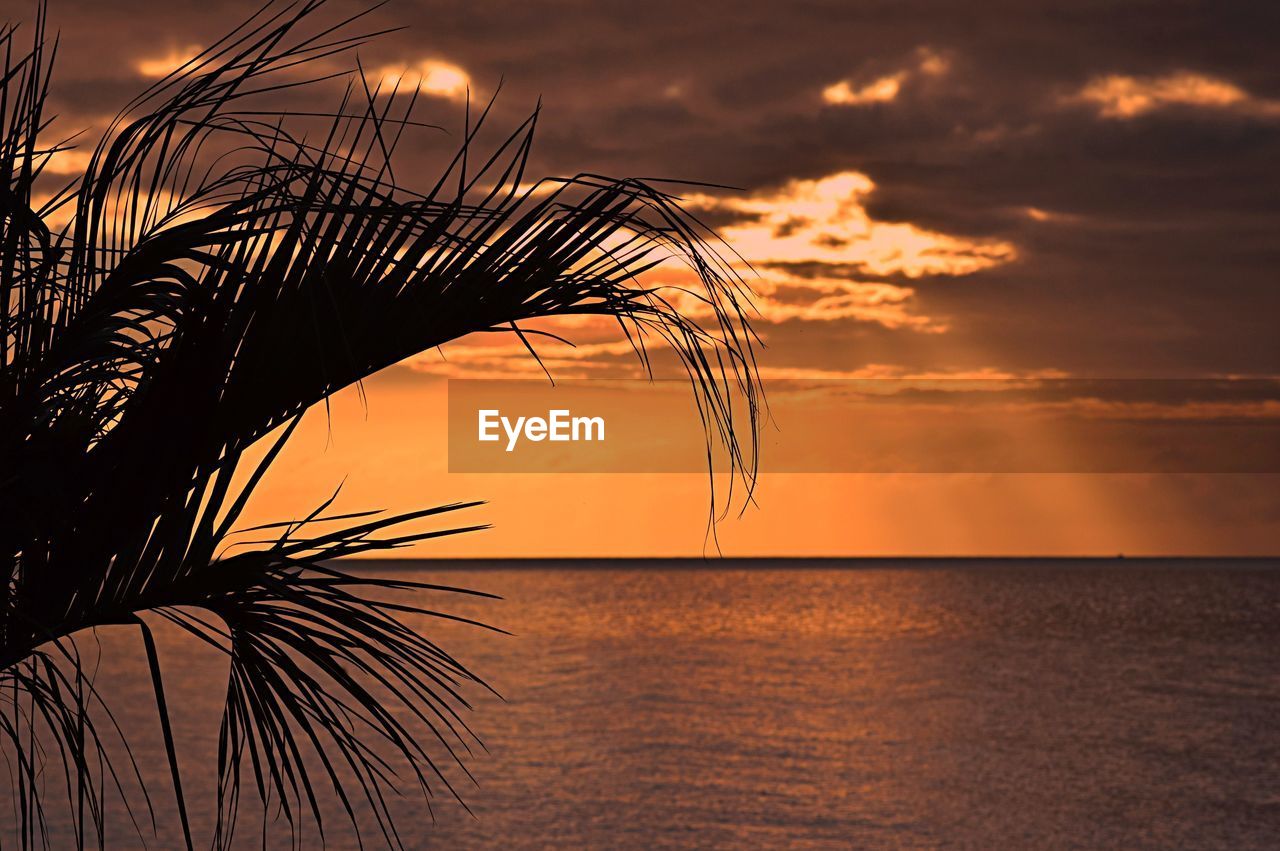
column 215, row 277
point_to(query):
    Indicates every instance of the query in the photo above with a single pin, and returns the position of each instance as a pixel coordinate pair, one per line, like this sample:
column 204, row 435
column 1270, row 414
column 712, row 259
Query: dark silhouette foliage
column 216, row 274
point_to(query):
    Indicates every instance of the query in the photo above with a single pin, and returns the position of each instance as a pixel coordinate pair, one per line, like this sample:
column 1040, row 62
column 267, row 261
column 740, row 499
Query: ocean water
column 998, row 704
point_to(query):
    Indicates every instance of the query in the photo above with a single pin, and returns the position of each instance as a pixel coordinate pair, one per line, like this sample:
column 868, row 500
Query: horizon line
column 822, row 558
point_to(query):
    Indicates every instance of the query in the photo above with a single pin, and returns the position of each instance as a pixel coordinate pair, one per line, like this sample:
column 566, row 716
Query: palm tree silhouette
column 212, row 276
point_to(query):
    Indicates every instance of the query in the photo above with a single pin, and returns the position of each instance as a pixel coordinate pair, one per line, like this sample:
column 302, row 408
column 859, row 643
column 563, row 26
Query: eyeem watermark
column 875, row 425
column 558, row 426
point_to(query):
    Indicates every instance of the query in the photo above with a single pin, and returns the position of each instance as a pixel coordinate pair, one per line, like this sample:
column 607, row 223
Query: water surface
column 935, row 705
column 977, row 705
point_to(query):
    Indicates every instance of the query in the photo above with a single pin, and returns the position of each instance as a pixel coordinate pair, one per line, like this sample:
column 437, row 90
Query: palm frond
column 218, row 274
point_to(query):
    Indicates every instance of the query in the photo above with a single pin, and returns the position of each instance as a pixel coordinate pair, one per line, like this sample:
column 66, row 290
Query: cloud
column 1133, row 216
column 781, row 297
column 431, row 77
column 895, row 376
column 824, row 225
column 1041, row 215
column 927, row 63
column 1122, row 97
column 513, row 360
column 163, row 66
column 66, row 161
column 878, row 91
column 930, row 63
column 826, row 221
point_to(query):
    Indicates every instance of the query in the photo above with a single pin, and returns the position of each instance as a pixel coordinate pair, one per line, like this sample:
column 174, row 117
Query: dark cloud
column 1156, row 252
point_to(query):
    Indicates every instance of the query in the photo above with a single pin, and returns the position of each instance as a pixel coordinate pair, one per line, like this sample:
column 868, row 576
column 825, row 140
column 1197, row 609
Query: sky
column 1009, row 190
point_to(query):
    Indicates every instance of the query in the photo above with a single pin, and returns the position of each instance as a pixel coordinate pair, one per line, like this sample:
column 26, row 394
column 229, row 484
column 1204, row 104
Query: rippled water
column 965, row 705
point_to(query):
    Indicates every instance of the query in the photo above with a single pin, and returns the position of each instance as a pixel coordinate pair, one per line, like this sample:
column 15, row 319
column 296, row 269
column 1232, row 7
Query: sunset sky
column 1049, row 191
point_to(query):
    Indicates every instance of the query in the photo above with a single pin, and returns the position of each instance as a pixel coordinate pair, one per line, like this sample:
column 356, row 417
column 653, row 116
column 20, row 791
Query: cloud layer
column 1034, row 194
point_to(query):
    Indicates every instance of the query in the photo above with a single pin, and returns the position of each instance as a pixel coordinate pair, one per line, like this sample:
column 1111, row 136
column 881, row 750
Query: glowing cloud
column 932, row 64
column 1039, row 214
column 824, row 225
column 431, row 77
column 1122, row 97
column 66, row 162
column 826, row 221
column 878, row 91
column 163, row 66
column 927, row 63
column 503, row 360
column 781, row 297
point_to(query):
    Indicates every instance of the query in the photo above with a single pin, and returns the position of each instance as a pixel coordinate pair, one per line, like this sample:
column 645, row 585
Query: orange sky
column 919, row 193
column 390, row 452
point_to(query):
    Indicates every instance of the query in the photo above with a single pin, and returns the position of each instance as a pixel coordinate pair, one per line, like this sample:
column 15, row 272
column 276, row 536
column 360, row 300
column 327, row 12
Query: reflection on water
column 974, row 706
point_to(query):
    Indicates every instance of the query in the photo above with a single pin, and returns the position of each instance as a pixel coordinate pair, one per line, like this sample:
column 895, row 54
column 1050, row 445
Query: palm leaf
column 218, row 274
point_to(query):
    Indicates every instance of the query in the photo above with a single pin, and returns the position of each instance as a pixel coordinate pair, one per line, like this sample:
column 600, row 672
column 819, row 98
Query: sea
column 819, row 704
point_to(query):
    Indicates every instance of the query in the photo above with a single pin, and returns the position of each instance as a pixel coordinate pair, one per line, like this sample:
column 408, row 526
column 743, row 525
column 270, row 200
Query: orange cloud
column 930, row 63
column 162, row 66
column 910, row 378
column 431, row 77
column 878, row 91
column 781, row 297
column 1122, row 97
column 66, row 162
column 826, row 221
column 512, row 360
column 927, row 63
column 1043, row 216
